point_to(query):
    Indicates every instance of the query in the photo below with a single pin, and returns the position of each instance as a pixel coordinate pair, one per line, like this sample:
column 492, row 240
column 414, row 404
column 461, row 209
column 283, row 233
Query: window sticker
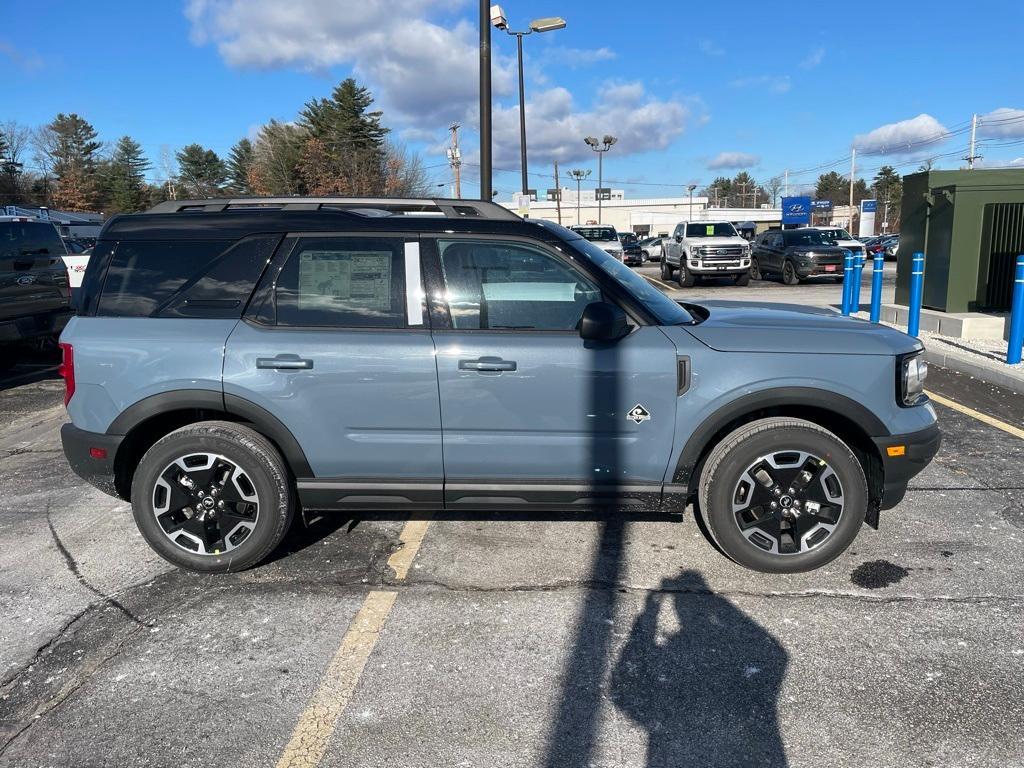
column 356, row 278
column 710, row 230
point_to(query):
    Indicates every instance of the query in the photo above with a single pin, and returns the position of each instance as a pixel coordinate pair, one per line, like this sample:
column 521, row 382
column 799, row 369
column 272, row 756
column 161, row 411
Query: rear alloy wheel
column 783, row 495
column 755, row 270
column 789, row 275
column 212, row 497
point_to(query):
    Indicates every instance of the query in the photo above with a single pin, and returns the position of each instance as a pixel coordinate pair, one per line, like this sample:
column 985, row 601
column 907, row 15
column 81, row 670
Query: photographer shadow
column 702, row 679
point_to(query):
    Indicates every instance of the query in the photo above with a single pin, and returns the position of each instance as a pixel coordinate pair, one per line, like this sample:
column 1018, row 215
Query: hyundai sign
column 796, row 210
column 821, row 205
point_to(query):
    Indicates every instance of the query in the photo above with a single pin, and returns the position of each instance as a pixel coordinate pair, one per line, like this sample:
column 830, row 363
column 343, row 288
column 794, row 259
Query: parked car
column 35, row 296
column 795, row 255
column 604, row 237
column 652, row 247
column 884, row 244
column 706, row 248
column 842, row 238
column 632, row 254
column 231, row 365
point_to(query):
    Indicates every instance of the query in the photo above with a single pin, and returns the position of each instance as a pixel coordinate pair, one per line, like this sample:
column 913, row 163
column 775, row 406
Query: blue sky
column 693, row 90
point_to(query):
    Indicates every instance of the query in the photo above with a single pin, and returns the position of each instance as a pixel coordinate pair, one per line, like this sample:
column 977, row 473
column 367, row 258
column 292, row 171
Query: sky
column 692, row 90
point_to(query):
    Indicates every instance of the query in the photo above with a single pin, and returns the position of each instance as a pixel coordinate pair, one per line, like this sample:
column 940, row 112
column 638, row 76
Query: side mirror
column 679, row 238
column 602, row 321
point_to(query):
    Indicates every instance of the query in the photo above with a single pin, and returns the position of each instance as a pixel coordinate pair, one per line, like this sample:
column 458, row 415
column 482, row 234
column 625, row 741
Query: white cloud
column 1002, row 123
column 711, row 48
column 26, row 61
column 814, row 58
column 771, row 83
column 574, row 58
column 902, row 138
column 555, row 128
column 424, row 75
column 732, row 160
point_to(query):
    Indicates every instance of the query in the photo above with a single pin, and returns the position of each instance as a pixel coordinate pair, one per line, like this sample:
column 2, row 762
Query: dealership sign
column 867, row 218
column 796, row 210
column 821, row 205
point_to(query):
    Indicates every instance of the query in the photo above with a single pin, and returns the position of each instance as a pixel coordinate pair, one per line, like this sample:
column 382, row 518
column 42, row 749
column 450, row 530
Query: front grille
column 710, row 253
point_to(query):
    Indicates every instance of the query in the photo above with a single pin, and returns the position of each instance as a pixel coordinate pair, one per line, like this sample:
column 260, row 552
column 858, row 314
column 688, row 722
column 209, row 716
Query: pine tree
column 125, row 177
column 239, row 164
column 70, row 144
column 200, row 171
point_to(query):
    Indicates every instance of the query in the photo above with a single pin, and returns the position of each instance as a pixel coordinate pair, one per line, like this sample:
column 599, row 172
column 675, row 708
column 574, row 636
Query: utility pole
column 486, row 188
column 971, row 157
column 853, row 173
column 455, row 159
column 558, row 194
column 690, row 188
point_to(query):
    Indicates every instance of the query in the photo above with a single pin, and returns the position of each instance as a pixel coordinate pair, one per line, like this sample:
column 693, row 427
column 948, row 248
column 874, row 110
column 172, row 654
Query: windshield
column 597, row 234
column 806, row 237
column 657, row 303
column 721, row 229
column 836, row 234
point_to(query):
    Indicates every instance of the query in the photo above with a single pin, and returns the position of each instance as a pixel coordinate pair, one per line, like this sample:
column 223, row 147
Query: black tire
column 743, row 279
column 686, row 278
column 726, row 469
column 789, row 275
column 755, row 269
column 264, row 473
column 666, row 270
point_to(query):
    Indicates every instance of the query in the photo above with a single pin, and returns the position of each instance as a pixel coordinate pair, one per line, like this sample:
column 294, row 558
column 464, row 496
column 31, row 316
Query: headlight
column 912, row 373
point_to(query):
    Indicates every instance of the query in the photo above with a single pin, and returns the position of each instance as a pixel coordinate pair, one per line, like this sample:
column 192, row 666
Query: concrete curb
column 1011, row 381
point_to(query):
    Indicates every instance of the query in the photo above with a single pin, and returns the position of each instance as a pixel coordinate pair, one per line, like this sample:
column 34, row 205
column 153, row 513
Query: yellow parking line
column 983, row 417
column 317, row 723
column 656, row 281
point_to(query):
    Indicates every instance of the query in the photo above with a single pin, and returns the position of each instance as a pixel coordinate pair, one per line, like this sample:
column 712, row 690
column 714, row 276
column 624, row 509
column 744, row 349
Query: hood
column 716, row 241
column 734, row 326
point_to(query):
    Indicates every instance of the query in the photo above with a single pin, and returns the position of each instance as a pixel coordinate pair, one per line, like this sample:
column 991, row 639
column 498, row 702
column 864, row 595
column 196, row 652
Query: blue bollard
column 916, row 283
column 847, row 281
column 1013, row 350
column 858, row 271
column 877, row 270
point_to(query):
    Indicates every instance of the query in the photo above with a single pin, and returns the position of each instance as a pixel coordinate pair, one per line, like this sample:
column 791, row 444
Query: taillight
column 67, row 371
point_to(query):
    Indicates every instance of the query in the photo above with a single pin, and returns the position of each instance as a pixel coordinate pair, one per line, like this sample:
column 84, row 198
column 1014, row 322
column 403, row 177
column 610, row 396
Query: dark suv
column 632, row 253
column 795, row 255
column 35, row 294
column 235, row 361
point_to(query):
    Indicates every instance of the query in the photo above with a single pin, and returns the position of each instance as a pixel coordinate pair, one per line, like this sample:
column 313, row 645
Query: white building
column 644, row 216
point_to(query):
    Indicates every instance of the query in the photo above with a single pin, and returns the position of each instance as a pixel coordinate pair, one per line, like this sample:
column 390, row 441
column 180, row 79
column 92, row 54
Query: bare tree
column 774, row 186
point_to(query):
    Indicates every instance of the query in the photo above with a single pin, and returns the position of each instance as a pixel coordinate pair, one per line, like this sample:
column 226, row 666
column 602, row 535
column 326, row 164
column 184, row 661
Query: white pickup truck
column 708, row 249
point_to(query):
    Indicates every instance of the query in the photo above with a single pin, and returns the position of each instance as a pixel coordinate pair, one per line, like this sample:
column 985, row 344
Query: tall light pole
column 691, row 187
column 547, row 24
column 486, row 187
column 579, row 174
column 600, row 147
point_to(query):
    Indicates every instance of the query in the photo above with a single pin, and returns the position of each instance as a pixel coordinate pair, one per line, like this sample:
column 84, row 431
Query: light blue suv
column 234, row 361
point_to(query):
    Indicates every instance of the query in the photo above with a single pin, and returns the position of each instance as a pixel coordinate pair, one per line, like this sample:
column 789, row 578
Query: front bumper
column 919, row 448
column 730, row 267
column 83, row 451
column 819, row 270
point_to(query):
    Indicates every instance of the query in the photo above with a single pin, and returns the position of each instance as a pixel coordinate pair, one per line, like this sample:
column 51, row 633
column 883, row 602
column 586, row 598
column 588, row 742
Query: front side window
column 343, row 282
column 498, row 285
column 805, row 237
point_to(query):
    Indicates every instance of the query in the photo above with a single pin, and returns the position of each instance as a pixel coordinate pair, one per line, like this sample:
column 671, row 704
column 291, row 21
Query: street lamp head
column 691, row 187
column 590, row 141
column 609, row 140
column 498, row 19
column 547, row 24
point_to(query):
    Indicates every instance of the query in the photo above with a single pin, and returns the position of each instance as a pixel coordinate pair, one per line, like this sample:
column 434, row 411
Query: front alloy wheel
column 782, row 495
column 789, row 275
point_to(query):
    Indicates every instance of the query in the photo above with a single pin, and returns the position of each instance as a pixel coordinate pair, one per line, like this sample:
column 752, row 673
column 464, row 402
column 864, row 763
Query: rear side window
column 29, row 238
column 344, row 282
column 142, row 276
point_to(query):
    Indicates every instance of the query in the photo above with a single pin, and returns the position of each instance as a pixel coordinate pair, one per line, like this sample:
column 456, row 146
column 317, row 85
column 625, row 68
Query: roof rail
column 360, row 206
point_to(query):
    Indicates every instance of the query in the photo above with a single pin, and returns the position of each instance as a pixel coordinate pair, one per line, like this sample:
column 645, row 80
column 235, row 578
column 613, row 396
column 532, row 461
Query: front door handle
column 487, row 364
column 284, row 363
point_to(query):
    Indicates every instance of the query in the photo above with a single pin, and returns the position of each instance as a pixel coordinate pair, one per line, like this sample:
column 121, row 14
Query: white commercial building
column 644, row 216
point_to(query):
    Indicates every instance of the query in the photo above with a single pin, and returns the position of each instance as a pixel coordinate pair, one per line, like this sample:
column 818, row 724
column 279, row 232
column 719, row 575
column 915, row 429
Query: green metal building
column 970, row 227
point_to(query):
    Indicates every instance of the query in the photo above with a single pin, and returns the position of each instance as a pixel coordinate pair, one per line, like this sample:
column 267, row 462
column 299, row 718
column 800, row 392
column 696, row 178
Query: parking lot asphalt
column 515, row 640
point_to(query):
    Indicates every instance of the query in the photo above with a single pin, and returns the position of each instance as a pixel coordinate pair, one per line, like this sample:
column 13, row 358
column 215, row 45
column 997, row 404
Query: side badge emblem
column 638, row 414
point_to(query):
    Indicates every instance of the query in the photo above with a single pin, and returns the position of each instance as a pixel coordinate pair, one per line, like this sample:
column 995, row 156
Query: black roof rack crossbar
column 362, row 206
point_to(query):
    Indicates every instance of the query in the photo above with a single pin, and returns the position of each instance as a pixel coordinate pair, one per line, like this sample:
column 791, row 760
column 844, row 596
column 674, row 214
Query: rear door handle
column 487, row 364
column 284, row 363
